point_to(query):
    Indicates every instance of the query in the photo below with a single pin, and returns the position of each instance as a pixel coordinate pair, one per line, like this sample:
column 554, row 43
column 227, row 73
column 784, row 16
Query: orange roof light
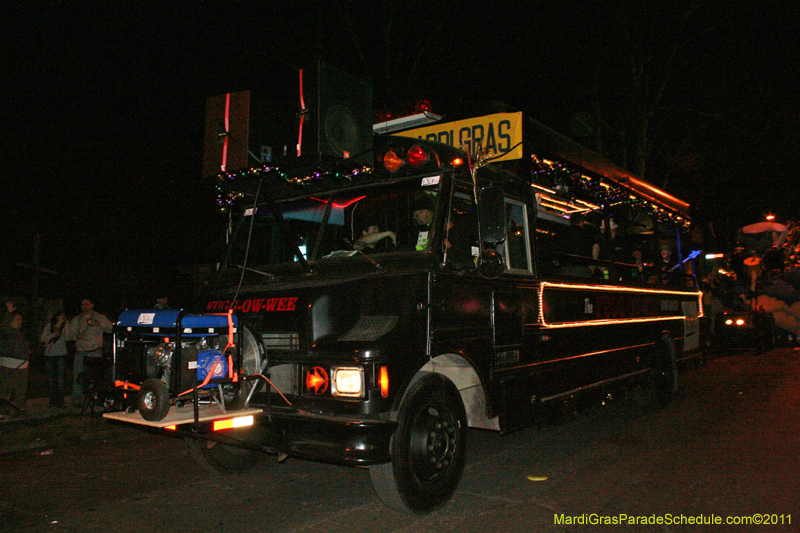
column 391, row 162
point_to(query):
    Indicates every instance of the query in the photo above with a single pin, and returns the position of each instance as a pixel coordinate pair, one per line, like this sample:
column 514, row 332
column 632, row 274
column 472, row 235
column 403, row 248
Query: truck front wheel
column 428, row 448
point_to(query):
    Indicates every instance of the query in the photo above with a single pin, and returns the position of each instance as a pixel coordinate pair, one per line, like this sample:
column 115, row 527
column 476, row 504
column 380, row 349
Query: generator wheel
column 222, row 458
column 428, row 448
column 152, row 400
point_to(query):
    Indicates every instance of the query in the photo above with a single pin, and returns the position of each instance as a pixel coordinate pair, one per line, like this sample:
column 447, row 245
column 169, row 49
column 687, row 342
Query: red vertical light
column 383, row 379
column 224, row 163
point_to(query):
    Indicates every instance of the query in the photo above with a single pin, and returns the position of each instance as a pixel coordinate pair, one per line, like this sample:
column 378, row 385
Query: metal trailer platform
column 182, row 415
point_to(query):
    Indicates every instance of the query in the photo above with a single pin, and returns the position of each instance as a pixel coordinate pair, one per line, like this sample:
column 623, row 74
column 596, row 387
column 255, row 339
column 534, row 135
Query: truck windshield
column 378, row 218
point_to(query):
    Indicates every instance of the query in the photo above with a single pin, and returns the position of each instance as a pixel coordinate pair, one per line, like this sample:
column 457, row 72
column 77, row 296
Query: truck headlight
column 347, row 381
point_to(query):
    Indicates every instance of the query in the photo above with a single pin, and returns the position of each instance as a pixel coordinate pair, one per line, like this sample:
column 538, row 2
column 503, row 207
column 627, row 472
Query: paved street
column 726, row 447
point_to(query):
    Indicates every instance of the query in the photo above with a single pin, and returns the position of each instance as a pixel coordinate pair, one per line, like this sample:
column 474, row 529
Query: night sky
column 102, row 103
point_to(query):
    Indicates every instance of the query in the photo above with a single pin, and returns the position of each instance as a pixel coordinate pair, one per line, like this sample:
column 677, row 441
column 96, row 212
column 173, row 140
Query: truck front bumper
column 332, row 439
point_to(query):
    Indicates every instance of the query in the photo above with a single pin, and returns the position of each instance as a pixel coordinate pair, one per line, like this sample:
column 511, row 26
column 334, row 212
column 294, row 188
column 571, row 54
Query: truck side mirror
column 492, row 215
column 491, row 264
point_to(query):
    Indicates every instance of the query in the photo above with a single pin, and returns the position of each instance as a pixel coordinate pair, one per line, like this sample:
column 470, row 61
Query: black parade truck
column 369, row 312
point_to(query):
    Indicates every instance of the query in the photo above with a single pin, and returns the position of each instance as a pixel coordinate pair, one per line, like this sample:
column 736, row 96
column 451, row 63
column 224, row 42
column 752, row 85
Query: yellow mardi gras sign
column 497, row 134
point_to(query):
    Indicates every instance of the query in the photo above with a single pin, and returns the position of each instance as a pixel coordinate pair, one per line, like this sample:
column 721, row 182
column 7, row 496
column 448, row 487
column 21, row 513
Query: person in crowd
column 774, row 260
column 669, row 268
column 86, row 330
column 8, row 315
column 14, row 357
column 415, row 236
column 620, row 249
column 371, row 234
column 717, row 291
column 422, row 215
column 55, row 351
column 162, row 302
column 740, row 253
column 585, row 244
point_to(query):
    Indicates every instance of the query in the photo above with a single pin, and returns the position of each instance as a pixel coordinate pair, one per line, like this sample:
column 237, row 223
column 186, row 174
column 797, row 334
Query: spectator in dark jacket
column 14, row 356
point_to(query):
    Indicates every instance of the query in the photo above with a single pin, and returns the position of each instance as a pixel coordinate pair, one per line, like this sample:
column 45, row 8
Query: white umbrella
column 763, row 235
column 765, row 227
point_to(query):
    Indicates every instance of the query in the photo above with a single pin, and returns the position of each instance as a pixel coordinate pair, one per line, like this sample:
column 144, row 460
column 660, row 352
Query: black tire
column 428, row 448
column 664, row 373
column 227, row 459
column 152, row 401
column 251, row 364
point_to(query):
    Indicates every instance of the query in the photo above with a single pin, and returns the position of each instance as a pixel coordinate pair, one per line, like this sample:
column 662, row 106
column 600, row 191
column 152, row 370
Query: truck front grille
column 285, row 378
column 281, row 341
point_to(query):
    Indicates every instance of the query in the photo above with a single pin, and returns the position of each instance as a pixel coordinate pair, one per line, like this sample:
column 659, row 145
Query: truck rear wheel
column 428, row 448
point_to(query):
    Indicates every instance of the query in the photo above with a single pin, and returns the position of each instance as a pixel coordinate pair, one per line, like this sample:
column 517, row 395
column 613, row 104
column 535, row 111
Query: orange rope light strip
column 608, row 321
